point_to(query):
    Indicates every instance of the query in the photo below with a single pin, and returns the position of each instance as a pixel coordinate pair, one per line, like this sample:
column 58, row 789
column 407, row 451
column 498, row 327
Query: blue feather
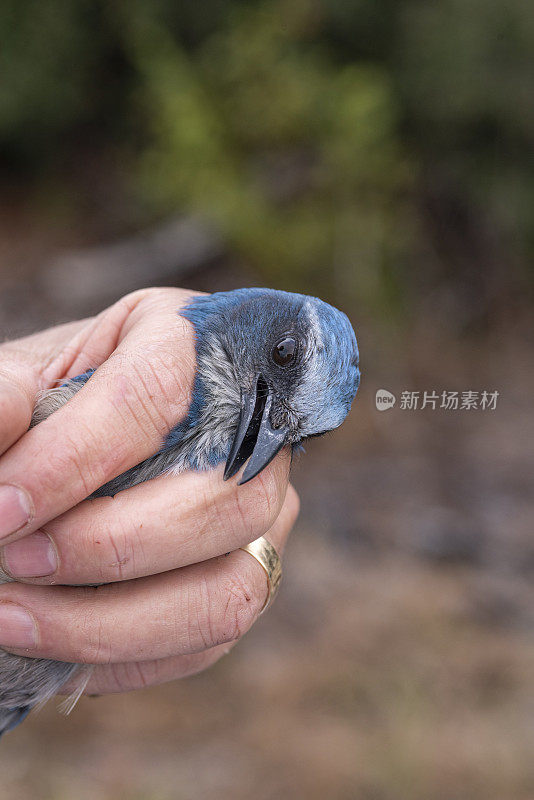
column 83, row 378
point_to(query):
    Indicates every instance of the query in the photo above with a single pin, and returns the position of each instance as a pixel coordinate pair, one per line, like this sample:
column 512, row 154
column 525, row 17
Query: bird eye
column 284, row 352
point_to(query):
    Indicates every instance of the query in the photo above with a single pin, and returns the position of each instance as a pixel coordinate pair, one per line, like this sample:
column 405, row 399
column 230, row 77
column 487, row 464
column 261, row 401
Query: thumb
column 22, row 363
column 18, row 388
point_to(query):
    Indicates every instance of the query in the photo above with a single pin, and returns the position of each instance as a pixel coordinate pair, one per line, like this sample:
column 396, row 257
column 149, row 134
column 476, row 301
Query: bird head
column 285, row 365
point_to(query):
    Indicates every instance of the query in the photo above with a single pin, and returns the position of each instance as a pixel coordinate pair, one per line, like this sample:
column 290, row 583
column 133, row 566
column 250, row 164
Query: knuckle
column 149, row 391
column 96, row 647
column 112, row 551
column 233, row 606
column 141, row 300
column 14, row 398
column 73, row 458
column 238, row 608
column 257, row 507
column 134, row 675
column 92, row 652
column 141, row 295
column 132, row 298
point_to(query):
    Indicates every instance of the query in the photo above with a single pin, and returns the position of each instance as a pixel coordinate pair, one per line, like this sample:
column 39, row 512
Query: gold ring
column 266, row 555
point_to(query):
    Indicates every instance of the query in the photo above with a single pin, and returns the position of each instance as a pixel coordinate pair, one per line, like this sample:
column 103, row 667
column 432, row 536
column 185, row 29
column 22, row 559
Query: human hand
column 173, row 600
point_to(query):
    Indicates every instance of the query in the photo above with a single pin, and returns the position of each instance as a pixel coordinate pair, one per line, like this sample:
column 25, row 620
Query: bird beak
column 255, row 437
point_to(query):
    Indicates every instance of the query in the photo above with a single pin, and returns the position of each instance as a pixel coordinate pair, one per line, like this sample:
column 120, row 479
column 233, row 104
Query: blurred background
column 378, row 153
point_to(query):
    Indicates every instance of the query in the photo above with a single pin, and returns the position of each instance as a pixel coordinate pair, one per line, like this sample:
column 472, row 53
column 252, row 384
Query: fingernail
column 17, row 627
column 15, row 509
column 32, row 557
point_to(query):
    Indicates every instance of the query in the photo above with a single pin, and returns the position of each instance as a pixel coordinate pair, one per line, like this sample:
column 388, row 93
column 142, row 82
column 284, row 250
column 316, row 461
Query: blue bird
column 273, row 369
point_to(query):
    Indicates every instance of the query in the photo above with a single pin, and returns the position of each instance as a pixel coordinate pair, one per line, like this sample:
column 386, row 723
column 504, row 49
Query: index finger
column 119, row 418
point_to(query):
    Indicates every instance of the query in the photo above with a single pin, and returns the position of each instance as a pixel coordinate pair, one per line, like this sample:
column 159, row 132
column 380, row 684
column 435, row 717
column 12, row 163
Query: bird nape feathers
column 272, row 369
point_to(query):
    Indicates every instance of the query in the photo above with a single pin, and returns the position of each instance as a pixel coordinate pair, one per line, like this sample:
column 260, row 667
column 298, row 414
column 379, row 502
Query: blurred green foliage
column 331, row 142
